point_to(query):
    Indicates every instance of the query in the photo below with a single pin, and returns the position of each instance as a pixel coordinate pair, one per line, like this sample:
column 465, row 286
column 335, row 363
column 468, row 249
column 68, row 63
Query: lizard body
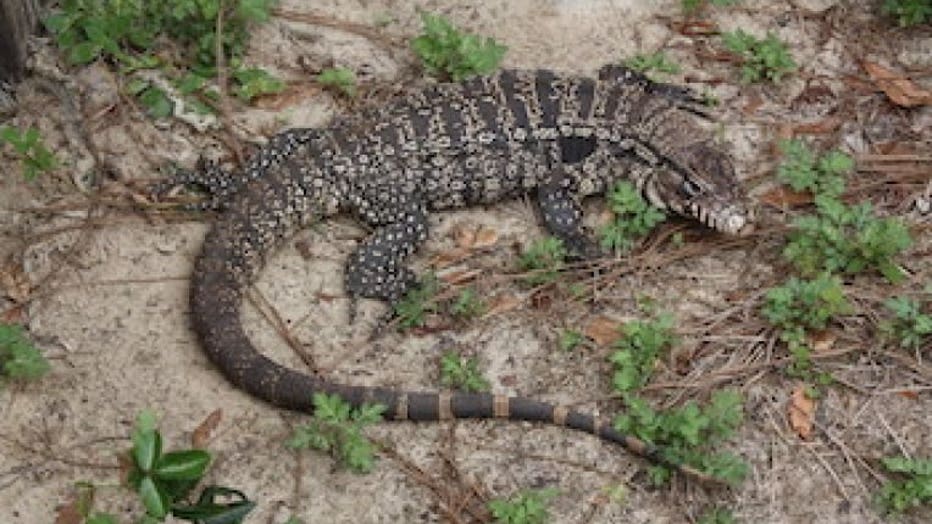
column 481, row 141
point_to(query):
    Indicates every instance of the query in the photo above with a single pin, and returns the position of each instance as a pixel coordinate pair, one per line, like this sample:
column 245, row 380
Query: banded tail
column 230, row 260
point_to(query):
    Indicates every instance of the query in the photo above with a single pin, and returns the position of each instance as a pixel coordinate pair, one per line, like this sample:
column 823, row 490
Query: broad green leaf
column 153, row 499
column 181, row 465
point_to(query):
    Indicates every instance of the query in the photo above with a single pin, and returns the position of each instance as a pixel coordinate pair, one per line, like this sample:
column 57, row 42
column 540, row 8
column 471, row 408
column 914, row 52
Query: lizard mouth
column 732, row 220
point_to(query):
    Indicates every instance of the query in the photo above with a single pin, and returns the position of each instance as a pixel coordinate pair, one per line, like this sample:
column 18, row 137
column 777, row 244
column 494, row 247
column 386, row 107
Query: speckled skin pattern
column 482, row 141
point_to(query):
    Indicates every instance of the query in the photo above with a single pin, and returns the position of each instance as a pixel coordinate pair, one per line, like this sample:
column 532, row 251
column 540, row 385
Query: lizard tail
column 230, row 260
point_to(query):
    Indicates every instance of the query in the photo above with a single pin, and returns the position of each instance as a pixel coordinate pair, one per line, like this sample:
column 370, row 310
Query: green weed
column 412, row 310
column 909, row 327
column 449, row 53
column 457, row 372
column 799, row 307
column 636, row 352
column 570, row 339
column 717, row 516
column 846, row 239
column 528, row 507
column 468, row 304
column 252, row 82
column 34, row 157
column 19, row 358
column 909, row 12
column 654, row 62
column 766, row 59
column 803, row 171
column 544, row 259
column 688, row 434
column 694, row 5
column 634, row 218
column 914, row 489
column 179, row 37
column 101, row 518
column 163, row 480
column 341, row 79
column 337, row 429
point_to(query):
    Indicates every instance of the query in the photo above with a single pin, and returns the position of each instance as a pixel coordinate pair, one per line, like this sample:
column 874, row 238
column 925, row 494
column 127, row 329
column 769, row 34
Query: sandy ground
column 103, row 291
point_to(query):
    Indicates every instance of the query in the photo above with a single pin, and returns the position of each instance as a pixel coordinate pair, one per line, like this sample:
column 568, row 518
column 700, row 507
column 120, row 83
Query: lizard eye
column 689, row 188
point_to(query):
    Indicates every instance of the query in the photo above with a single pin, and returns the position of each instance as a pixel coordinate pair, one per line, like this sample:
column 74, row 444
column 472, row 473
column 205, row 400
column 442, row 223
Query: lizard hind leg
column 376, row 268
column 218, row 184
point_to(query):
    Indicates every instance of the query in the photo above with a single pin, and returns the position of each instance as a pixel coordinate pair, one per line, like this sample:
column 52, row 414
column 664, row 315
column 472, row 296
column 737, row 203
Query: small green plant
column 688, row 434
column 528, row 507
column 124, row 30
column 337, row 429
column 468, row 304
column 799, row 307
column 766, row 59
column 339, row 78
column 803, row 171
column 636, row 352
column 570, row 339
column 412, row 310
column 153, row 98
column 19, row 358
column 694, row 5
column 543, row 260
column 846, row 239
column 909, row 12
column 252, row 82
column 100, row 518
column 717, row 516
column 657, row 62
column 634, row 218
column 914, row 488
column 909, row 327
column 164, row 480
column 457, row 372
column 178, row 37
column 33, row 155
column 447, row 52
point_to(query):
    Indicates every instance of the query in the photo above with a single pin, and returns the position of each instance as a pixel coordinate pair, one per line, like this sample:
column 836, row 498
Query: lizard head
column 701, row 183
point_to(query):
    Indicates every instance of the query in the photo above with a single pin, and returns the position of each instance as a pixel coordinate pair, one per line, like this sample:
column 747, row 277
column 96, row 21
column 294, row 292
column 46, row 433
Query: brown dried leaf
column 127, row 465
column 603, row 330
column 898, row 88
column 464, row 236
column 696, row 28
column 13, row 315
column 503, row 303
column 753, row 103
column 13, row 282
column 292, row 95
column 782, row 196
column 485, row 237
column 801, row 410
column 70, row 512
column 822, row 341
column 460, row 276
column 203, row 431
column 475, row 237
column 821, row 127
column 448, row 258
column 911, row 394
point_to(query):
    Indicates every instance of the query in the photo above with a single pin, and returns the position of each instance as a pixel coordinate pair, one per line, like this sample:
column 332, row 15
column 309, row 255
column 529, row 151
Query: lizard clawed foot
column 208, row 177
column 581, row 248
column 382, row 324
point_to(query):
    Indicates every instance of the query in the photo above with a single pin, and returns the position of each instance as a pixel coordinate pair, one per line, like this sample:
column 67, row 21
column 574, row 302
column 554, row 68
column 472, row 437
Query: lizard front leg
column 562, row 215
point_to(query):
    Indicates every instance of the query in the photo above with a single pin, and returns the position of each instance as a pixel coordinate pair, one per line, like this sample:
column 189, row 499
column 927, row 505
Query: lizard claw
column 384, row 321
